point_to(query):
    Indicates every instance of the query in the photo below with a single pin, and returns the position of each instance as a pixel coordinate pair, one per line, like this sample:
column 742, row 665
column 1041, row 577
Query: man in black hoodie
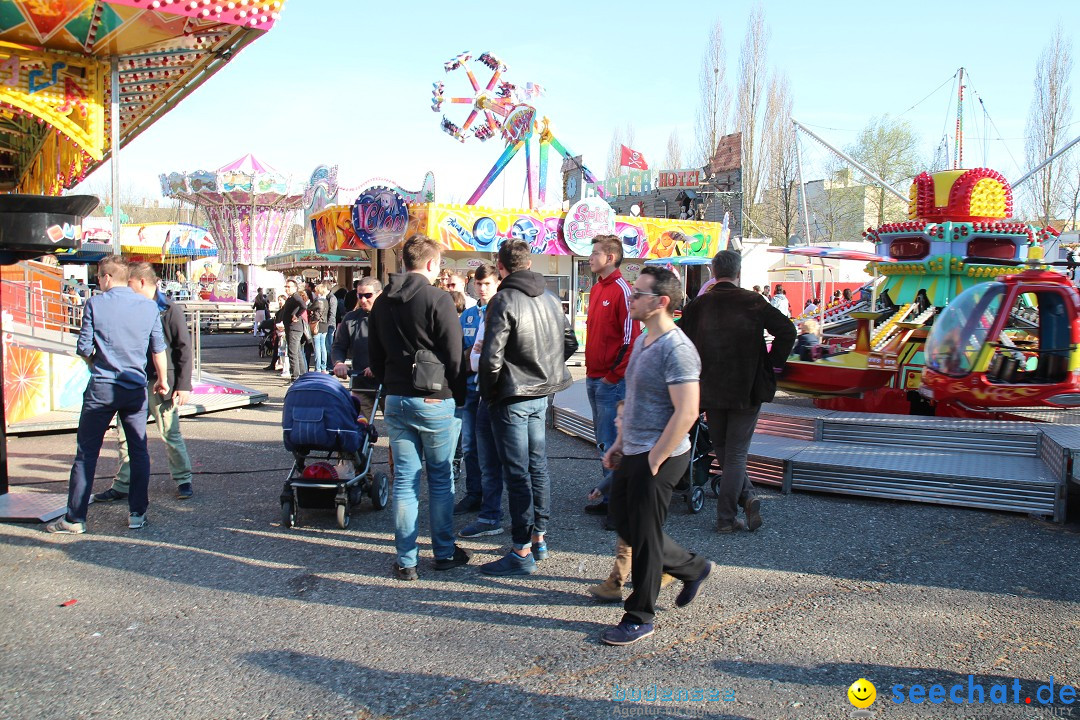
column 166, row 411
column 527, row 341
column 412, row 315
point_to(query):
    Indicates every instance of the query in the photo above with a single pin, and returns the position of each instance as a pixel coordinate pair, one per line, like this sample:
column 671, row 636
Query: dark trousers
column 294, row 338
column 731, row 432
column 101, row 401
column 639, row 506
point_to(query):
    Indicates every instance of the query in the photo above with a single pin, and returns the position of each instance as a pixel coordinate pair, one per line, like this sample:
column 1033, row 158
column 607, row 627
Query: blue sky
column 348, row 82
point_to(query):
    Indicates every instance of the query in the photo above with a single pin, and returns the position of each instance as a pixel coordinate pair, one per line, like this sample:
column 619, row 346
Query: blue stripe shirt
column 118, row 326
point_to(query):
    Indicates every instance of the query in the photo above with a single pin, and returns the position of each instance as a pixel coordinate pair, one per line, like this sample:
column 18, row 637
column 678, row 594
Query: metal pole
column 802, row 187
column 853, row 162
column 1045, row 162
column 114, row 162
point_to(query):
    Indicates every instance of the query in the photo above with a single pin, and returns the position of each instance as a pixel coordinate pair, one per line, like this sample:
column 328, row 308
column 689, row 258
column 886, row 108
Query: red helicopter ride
column 1007, row 344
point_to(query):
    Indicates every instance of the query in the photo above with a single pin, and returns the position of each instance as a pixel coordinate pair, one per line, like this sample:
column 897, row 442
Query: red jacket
column 610, row 332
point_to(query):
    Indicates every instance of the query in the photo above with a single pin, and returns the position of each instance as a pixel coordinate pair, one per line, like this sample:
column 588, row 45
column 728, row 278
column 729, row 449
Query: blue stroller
column 321, row 416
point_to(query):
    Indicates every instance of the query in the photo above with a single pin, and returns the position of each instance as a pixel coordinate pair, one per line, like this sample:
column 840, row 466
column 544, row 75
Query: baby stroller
column 320, row 416
column 699, row 472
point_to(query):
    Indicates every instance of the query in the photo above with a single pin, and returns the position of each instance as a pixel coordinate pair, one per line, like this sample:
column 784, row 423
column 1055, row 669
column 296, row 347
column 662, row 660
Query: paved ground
column 213, row 611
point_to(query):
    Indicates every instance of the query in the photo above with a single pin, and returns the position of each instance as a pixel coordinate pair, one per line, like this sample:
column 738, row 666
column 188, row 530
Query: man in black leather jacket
column 527, row 341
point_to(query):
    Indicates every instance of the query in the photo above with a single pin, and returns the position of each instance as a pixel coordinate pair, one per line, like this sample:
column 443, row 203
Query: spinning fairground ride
column 968, row 320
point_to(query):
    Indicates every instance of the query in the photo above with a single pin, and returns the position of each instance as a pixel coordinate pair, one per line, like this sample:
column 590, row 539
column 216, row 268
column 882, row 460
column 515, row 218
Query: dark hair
column 356, row 283
column 665, row 283
column 610, row 245
column 418, row 251
column 515, row 255
column 485, row 271
column 726, row 264
column 459, row 300
column 142, row 271
column 117, row 267
column 847, row 293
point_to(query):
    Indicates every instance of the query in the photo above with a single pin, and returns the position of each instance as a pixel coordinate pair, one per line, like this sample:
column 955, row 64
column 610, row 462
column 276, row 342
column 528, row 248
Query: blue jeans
column 603, row 399
column 330, row 339
column 101, row 401
column 521, row 442
column 422, row 432
column 490, row 467
column 474, row 489
column 319, row 342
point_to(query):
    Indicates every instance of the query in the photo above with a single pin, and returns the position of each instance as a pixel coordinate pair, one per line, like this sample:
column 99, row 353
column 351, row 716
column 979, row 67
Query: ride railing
column 39, row 312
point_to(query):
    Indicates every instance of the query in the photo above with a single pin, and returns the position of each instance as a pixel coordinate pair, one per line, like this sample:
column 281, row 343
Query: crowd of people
column 479, row 375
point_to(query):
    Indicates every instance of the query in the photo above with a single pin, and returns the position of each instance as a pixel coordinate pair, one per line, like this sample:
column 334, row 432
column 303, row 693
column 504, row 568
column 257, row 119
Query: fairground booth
column 379, row 220
column 79, row 79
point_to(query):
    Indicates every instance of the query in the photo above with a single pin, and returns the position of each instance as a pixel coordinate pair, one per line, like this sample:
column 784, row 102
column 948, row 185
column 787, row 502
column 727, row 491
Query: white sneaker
column 136, row 521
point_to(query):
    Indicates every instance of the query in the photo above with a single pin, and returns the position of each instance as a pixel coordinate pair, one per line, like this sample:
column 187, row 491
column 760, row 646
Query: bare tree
column 712, row 117
column 1050, row 112
column 750, row 104
column 1071, row 186
column 889, row 148
column 780, row 206
column 621, row 136
column 674, row 157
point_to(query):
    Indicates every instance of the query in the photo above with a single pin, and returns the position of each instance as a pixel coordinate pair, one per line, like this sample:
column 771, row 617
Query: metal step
column 996, row 443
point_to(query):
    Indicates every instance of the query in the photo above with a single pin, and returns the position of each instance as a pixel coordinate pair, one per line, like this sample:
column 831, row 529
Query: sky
column 348, row 82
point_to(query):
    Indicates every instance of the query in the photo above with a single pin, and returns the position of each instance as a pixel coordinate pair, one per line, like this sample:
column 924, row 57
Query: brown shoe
column 606, row 591
column 737, row 526
column 666, row 580
column 753, row 514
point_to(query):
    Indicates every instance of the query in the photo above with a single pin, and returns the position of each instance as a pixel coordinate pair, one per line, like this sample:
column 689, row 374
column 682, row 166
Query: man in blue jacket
column 166, row 411
column 117, row 328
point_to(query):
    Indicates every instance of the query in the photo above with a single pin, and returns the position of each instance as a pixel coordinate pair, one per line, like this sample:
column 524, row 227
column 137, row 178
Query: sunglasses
column 366, row 296
column 641, row 293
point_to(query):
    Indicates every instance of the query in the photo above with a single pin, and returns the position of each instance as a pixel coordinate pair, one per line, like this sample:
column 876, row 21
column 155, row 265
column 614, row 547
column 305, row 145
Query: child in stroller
column 322, row 416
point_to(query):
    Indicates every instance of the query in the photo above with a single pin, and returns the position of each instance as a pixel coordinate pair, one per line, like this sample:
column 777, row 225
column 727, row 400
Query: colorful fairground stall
column 312, row 265
column 79, row 79
column 380, row 219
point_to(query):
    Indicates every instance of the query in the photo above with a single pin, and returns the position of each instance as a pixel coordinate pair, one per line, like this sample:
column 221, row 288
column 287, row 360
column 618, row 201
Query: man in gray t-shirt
column 651, row 453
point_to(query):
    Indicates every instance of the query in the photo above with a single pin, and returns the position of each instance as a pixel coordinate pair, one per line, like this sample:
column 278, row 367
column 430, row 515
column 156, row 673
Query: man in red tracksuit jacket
column 609, row 337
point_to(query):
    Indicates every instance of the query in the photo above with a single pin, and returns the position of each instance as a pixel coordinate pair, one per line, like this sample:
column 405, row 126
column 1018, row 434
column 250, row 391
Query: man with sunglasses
column 293, row 317
column 455, row 282
column 352, row 342
column 652, row 452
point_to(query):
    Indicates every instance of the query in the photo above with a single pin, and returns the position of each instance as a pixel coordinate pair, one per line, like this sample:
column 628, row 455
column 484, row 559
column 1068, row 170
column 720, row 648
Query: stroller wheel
column 714, row 485
column 695, row 499
column 379, row 490
column 288, row 514
column 343, row 516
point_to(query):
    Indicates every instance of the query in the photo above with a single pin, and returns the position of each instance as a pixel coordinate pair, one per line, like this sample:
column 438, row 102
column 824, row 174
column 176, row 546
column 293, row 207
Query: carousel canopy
column 831, row 253
column 55, row 75
column 300, row 259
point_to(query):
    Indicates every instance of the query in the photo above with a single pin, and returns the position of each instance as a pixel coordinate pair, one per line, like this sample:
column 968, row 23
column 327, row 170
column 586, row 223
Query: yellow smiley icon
column 862, row 693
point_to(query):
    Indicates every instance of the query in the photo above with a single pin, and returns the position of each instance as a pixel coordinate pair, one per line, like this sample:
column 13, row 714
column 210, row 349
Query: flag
column 632, row 159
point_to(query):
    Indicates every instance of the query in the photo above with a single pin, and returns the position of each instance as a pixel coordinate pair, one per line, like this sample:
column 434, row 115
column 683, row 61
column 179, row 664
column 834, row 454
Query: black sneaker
column 405, row 573
column 110, row 495
column 691, row 589
column 184, row 491
column 467, row 505
column 599, row 508
column 460, row 557
column 625, row 634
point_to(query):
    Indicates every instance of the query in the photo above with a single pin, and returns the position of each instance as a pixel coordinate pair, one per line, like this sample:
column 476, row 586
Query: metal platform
column 29, row 506
column 228, row 396
column 988, row 464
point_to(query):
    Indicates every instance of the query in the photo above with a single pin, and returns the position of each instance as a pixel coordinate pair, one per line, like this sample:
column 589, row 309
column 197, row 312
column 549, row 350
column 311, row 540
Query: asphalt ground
column 214, row 611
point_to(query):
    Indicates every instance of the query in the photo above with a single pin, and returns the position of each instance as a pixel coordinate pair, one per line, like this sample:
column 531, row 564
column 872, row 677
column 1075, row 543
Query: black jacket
column 178, row 352
column 291, row 311
column 351, row 341
column 412, row 314
column 317, row 312
column 727, row 325
column 527, row 341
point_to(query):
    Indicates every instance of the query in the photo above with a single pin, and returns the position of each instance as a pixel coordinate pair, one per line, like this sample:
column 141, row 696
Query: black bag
column 428, row 371
column 764, row 387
